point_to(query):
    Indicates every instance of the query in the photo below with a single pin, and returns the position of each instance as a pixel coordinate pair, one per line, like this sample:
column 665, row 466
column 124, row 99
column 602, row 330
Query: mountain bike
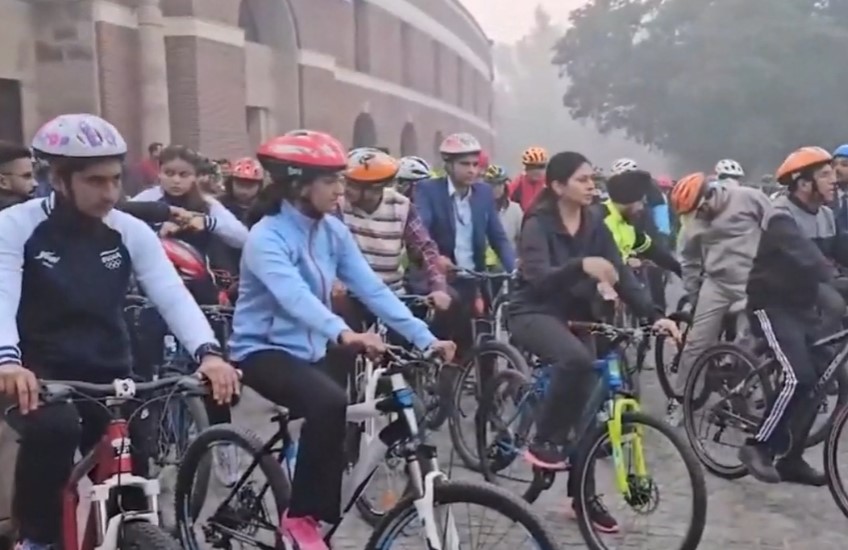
column 612, row 424
column 491, row 352
column 124, row 508
column 240, row 516
column 746, row 385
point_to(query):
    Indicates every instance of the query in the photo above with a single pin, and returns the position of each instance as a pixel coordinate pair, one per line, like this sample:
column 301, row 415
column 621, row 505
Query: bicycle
column 489, row 329
column 612, row 424
column 747, row 386
column 243, row 512
column 115, row 519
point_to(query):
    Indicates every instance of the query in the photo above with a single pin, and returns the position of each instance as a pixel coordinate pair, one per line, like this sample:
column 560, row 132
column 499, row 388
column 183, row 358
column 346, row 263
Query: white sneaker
column 673, row 413
column 227, row 465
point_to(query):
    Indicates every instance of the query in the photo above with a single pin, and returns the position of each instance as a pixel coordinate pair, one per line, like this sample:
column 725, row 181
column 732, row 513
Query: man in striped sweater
column 386, row 227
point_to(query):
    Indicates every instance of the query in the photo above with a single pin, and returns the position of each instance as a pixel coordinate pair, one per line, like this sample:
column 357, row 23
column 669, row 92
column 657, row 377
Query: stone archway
column 437, row 142
column 364, row 131
column 408, row 140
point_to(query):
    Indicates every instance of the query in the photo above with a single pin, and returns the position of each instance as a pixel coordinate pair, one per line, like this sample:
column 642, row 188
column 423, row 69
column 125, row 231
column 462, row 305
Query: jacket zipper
column 312, row 232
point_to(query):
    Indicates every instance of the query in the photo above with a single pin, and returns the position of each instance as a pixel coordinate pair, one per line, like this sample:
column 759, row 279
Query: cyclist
column 412, row 170
column 721, row 228
column 621, row 213
column 66, row 266
column 461, row 216
column 729, row 172
column 566, row 252
column 840, row 202
column 526, row 187
column 384, row 223
column 784, row 283
column 810, row 181
column 283, row 322
column 242, row 187
column 16, row 174
column 509, row 211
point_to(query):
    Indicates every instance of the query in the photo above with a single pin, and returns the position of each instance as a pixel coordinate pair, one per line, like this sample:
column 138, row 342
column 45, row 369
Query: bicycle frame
column 110, row 464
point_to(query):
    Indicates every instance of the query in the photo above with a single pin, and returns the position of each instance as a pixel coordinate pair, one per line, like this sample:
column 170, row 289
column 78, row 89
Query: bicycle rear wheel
column 403, row 521
column 140, row 535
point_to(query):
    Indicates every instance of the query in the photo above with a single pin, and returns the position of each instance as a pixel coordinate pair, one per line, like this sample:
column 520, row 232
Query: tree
column 529, row 105
column 708, row 79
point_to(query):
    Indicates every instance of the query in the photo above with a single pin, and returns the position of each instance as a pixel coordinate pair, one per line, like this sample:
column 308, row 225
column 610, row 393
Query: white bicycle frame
column 374, row 453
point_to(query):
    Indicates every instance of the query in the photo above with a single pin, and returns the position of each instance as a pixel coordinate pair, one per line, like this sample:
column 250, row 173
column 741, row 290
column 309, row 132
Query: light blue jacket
column 288, row 267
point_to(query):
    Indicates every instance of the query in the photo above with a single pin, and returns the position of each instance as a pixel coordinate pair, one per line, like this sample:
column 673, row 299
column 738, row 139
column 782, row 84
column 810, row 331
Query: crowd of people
column 322, row 239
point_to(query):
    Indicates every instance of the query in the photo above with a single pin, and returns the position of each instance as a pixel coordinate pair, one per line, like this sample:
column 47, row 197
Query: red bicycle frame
column 110, row 457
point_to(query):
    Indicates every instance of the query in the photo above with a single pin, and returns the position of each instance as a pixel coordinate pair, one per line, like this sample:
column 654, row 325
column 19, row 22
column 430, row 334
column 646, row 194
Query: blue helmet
column 841, row 151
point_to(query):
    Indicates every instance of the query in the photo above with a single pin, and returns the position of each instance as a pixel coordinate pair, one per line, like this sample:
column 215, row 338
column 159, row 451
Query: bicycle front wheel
column 832, row 448
column 668, row 453
column 498, row 512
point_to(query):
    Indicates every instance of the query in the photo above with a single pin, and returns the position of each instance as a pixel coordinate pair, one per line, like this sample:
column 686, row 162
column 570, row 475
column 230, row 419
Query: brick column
column 155, row 112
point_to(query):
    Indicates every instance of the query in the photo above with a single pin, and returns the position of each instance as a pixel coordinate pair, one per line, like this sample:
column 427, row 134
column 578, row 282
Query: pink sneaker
column 304, row 532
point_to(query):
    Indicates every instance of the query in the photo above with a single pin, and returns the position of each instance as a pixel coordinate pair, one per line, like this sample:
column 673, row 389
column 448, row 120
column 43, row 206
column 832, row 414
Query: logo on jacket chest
column 112, row 259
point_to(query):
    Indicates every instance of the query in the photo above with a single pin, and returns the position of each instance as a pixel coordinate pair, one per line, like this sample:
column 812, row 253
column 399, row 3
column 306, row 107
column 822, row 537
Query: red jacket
column 524, row 192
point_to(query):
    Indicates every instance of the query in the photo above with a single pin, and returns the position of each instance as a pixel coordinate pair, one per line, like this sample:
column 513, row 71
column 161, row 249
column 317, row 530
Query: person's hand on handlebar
column 368, row 342
column 20, row 383
column 668, row 327
column 440, row 299
column 600, row 269
column 222, row 377
column 445, row 349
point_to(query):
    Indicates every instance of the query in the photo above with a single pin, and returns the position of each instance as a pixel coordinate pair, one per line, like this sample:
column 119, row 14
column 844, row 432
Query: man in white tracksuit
column 717, row 248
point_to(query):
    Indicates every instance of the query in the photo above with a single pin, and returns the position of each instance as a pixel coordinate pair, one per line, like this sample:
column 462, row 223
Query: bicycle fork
column 619, row 407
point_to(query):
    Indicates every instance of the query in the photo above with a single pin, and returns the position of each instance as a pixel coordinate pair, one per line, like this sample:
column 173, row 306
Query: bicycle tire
column 489, row 496
column 831, row 461
column 467, row 451
column 517, row 382
column 664, row 370
column 689, row 407
column 198, row 452
column 586, row 491
column 141, row 535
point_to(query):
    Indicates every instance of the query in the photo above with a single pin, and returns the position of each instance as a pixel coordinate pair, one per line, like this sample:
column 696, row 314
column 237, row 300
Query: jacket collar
column 301, row 220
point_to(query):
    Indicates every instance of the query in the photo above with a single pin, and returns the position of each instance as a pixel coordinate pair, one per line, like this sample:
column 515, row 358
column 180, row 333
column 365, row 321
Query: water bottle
column 170, row 349
column 613, row 368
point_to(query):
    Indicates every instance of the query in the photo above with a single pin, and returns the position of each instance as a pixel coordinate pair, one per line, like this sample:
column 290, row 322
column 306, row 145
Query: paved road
column 742, row 514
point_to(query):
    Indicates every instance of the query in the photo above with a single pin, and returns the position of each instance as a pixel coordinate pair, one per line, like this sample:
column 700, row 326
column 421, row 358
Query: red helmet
column 187, row 259
column 292, row 153
column 665, row 182
column 248, row 169
column 484, row 160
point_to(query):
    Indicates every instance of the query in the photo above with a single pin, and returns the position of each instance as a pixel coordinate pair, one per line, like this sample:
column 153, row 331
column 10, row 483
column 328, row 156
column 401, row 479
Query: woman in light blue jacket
column 283, row 321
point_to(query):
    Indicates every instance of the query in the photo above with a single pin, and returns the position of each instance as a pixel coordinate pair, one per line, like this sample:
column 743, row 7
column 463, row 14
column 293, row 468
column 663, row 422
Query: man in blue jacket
column 460, row 214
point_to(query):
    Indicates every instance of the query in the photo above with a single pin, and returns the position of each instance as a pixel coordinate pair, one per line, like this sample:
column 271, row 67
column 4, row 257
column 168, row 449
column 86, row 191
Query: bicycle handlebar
column 481, row 275
column 125, row 388
column 612, row 330
column 402, row 355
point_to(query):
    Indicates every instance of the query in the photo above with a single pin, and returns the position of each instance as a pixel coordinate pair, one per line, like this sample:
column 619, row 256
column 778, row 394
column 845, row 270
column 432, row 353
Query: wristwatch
column 208, row 349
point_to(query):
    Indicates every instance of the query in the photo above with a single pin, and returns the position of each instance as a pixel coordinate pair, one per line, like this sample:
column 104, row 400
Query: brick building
column 221, row 75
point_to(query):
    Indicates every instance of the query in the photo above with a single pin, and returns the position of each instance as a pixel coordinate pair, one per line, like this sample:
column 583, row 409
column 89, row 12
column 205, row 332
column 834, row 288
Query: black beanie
column 628, row 187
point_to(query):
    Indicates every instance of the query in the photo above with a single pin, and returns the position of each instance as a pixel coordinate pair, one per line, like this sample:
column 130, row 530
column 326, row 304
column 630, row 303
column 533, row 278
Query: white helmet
column 729, row 167
column 459, row 144
column 79, row 136
column 623, row 165
column 413, row 168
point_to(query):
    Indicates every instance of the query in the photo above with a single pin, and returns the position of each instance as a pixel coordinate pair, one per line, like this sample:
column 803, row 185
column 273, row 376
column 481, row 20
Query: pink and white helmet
column 79, row 136
column 459, row 144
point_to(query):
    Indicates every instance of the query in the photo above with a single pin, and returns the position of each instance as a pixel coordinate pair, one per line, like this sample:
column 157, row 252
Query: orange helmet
column 687, row 192
column 248, row 169
column 534, row 156
column 367, row 165
column 800, row 160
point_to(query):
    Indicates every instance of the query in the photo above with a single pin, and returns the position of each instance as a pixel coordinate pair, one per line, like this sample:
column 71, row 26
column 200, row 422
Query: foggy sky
column 509, row 20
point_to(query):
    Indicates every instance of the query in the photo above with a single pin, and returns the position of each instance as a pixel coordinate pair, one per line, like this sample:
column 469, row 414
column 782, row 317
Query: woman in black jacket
column 567, row 259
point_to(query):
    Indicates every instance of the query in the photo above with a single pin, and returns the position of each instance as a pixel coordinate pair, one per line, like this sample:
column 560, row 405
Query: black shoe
column 546, row 455
column 598, row 514
column 796, row 470
column 759, row 461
